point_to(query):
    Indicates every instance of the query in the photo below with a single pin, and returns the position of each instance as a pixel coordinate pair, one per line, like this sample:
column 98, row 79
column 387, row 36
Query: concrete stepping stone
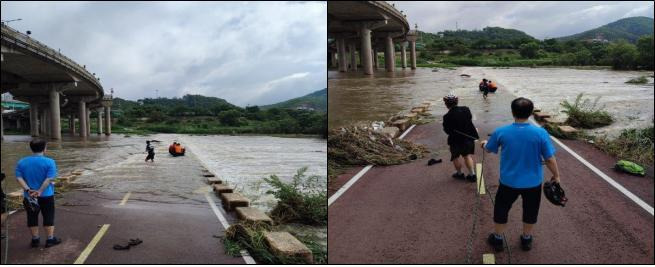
column 401, row 124
column 286, row 245
column 541, row 115
column 567, row 129
column 16, row 196
column 553, row 121
column 417, row 110
column 410, row 115
column 222, row 188
column 214, row 180
column 250, row 214
column 391, row 132
column 234, row 200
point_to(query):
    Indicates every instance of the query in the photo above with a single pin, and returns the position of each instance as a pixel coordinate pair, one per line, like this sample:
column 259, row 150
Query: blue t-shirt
column 523, row 146
column 34, row 170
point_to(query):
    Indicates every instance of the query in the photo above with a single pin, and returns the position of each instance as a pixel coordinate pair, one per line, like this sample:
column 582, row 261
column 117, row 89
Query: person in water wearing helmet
column 484, row 87
column 151, row 152
column 523, row 147
column 462, row 134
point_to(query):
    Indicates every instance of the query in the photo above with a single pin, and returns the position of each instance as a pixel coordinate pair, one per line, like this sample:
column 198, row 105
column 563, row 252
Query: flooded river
column 353, row 97
column 116, row 164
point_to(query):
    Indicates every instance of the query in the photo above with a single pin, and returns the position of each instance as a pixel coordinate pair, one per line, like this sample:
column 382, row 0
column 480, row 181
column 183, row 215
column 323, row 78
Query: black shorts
column 506, row 196
column 46, row 208
column 3, row 205
column 461, row 149
column 150, row 156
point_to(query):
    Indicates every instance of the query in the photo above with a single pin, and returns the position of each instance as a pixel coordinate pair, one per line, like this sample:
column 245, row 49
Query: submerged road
column 414, row 213
column 176, row 228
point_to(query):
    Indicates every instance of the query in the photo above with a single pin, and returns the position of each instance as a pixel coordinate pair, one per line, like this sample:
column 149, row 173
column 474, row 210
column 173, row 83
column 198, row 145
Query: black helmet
column 554, row 193
column 450, row 99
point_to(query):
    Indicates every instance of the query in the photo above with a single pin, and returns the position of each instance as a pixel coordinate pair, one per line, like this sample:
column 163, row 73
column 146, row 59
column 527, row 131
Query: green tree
column 645, row 48
column 622, row 55
column 229, row 117
column 460, row 49
column 529, row 50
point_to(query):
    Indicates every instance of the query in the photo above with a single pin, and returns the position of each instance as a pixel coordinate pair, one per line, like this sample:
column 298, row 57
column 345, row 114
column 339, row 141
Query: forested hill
column 629, row 29
column 316, row 100
column 500, row 37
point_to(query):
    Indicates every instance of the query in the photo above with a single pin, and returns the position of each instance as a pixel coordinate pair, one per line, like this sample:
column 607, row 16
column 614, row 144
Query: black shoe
column 459, row 176
column 471, row 178
column 52, row 242
column 36, row 242
column 526, row 243
column 496, row 243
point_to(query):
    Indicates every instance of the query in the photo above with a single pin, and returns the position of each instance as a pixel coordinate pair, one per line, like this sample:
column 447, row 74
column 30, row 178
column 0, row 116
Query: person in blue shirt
column 523, row 146
column 36, row 174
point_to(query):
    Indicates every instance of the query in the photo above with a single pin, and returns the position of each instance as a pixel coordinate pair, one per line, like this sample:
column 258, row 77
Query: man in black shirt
column 461, row 136
column 3, row 205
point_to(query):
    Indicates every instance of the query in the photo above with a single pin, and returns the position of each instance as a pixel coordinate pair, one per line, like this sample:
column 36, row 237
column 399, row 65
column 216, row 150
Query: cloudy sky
column 246, row 53
column 538, row 19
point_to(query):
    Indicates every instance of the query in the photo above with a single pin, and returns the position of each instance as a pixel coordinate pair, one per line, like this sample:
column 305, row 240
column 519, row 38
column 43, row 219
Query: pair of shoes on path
column 132, row 243
column 497, row 244
column 48, row 243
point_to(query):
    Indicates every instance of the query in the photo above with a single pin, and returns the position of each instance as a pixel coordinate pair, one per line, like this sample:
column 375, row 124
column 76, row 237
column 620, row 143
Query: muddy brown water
column 354, row 97
column 115, row 164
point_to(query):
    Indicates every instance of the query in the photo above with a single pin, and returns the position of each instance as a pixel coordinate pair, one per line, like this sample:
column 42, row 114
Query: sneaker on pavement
column 52, row 242
column 526, row 243
column 496, row 243
column 471, row 178
column 35, row 242
column 459, row 176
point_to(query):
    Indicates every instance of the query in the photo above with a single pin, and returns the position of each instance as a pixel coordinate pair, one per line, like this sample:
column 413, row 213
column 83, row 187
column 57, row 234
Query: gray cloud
column 246, row 53
column 539, row 19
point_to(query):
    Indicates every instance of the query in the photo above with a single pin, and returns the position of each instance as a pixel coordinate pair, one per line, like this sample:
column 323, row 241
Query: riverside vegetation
column 303, row 200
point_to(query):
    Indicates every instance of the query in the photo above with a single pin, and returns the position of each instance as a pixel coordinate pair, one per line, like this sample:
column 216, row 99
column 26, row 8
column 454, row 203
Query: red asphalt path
column 414, row 213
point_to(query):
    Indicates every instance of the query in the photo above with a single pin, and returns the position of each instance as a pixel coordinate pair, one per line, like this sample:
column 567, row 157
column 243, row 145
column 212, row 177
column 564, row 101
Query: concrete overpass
column 53, row 84
column 368, row 27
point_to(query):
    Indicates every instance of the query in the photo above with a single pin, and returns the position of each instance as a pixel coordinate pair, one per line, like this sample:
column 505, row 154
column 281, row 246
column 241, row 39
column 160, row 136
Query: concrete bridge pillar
column 376, row 62
column 365, row 50
column 389, row 54
column 82, row 117
column 99, row 111
column 34, row 119
column 343, row 65
column 353, row 56
column 55, row 116
column 43, row 129
column 107, row 120
column 403, row 54
column 412, row 53
column 71, row 124
column 88, row 121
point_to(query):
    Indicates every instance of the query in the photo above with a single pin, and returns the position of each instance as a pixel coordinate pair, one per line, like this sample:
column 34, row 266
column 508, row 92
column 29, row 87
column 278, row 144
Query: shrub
column 585, row 115
column 633, row 144
column 640, row 80
column 303, row 200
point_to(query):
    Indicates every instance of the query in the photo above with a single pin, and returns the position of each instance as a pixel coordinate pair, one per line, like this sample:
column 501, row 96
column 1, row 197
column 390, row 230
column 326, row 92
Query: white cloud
column 222, row 49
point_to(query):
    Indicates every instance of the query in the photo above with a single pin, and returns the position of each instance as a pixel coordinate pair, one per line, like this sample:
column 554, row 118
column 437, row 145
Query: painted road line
column 89, row 248
column 605, row 177
column 359, row 175
column 127, row 196
column 246, row 257
column 478, row 181
column 488, row 258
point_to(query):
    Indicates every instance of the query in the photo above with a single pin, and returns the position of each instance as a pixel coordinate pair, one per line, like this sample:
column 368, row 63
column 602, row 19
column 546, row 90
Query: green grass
column 585, row 114
column 635, row 145
column 640, row 80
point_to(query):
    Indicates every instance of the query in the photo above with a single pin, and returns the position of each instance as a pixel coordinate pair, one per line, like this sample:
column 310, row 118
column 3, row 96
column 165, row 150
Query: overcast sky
column 247, row 53
column 538, row 19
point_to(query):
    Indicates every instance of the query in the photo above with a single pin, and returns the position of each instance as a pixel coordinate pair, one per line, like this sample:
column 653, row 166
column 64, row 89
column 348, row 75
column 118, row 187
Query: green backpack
column 630, row 167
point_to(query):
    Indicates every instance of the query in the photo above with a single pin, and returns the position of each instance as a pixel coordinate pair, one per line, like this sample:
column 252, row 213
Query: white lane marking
column 605, row 177
column 246, row 257
column 360, row 174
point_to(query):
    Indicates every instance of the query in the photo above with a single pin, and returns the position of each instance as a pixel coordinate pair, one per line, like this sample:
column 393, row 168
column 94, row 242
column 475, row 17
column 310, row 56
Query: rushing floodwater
column 116, row 164
column 353, row 97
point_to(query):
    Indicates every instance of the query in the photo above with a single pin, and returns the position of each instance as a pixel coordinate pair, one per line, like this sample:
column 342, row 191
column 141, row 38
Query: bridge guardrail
column 24, row 41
